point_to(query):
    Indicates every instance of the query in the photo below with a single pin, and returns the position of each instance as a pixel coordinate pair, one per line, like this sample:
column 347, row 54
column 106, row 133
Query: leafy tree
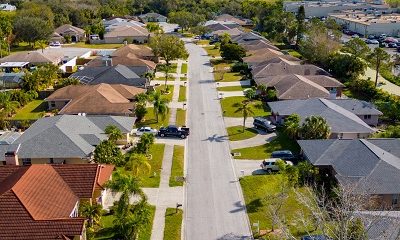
column 272, row 94
column 390, row 132
column 92, row 212
column 377, row 58
column 199, row 30
column 41, row 78
column 315, row 127
column 144, row 144
column 66, row 82
column 166, row 69
column 356, row 229
column 138, row 162
column 36, row 10
column 169, row 47
column 7, row 105
column 301, row 28
column 233, row 52
column 289, row 172
column 280, row 25
column 245, row 109
column 345, row 66
column 114, row 133
column 250, row 94
column 21, row 96
column 307, row 172
column 6, row 28
column 154, row 27
column 185, row 19
column 357, row 47
column 160, row 105
column 32, row 29
column 140, row 111
column 390, row 109
column 108, row 152
column 292, row 125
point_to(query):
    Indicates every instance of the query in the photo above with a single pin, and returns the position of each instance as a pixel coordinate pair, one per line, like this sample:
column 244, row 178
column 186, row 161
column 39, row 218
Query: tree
column 154, row 27
column 199, row 30
column 292, row 125
column 5, row 30
column 250, row 94
column 160, row 105
column 92, row 212
column 41, row 78
column 169, row 47
column 301, row 28
column 108, row 152
column 114, row 133
column 315, row 127
column 233, row 52
column 245, row 109
column 185, row 19
column 66, row 82
column 345, row 66
column 377, row 58
column 32, row 29
column 390, row 132
column 140, row 111
column 356, row 47
column 144, row 144
column 137, row 162
column 166, row 69
column 7, row 105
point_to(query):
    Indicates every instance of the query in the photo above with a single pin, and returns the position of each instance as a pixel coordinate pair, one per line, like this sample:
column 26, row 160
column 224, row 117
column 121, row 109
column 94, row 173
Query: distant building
column 239, row 20
column 7, row 7
column 130, row 34
column 76, row 34
column 152, row 17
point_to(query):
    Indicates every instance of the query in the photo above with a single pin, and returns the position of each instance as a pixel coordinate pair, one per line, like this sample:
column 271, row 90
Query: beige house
column 76, row 34
column 129, row 34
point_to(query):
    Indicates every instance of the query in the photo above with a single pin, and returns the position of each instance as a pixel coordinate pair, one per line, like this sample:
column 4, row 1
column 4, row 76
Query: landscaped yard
column 148, row 179
column 236, row 133
column 212, row 51
column 257, row 191
column 173, row 224
column 95, row 46
column 233, row 88
column 150, row 120
column 31, row 111
column 228, row 107
column 183, row 79
column 184, row 68
column 177, row 166
column 182, row 94
column 294, row 53
column 173, row 67
column 170, row 93
column 180, row 117
column 281, row 142
column 227, row 77
column 203, row 42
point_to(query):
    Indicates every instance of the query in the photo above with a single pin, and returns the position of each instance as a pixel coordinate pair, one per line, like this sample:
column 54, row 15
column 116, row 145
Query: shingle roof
column 127, row 31
column 263, row 55
column 285, row 68
column 62, row 136
column 357, row 107
column 228, row 17
column 138, row 50
column 230, row 32
column 358, row 161
column 248, row 36
column 66, row 28
column 129, row 60
column 101, row 99
column 257, row 44
column 34, row 57
column 339, row 119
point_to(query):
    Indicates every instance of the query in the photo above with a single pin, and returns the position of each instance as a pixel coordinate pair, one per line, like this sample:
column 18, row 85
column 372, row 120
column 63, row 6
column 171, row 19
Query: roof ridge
column 308, row 81
column 382, row 154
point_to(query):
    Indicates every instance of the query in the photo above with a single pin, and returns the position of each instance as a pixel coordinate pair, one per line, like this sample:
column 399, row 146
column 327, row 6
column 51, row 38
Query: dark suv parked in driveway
column 284, row 154
column 264, row 124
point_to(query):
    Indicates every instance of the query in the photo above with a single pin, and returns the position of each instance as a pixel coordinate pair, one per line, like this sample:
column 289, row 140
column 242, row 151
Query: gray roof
column 118, row 74
column 381, row 224
column 358, row 161
column 357, row 107
column 249, row 36
column 66, row 136
column 339, row 119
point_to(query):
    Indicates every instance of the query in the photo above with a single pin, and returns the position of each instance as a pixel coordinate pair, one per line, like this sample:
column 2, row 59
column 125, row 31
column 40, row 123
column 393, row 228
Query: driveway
column 248, row 167
column 214, row 205
column 260, row 139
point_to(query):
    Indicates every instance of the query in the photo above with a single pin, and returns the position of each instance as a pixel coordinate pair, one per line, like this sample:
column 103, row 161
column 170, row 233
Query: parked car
column 143, row 130
column 283, row 154
column 270, row 165
column 264, row 124
column 371, row 41
column 173, row 131
column 55, row 44
column 355, row 36
column 392, row 45
column 316, row 237
column 371, row 36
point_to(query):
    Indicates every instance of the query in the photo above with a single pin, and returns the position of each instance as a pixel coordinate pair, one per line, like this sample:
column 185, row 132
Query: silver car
column 143, row 130
column 270, row 165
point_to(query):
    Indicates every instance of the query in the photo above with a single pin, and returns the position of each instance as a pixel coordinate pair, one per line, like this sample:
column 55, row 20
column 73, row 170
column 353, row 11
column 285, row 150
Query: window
column 395, row 199
column 53, row 104
column 26, row 161
column 367, row 116
column 51, row 160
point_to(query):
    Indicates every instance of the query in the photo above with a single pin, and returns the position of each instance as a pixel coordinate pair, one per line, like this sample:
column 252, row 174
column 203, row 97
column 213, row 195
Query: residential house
column 7, row 7
column 129, row 34
column 283, row 67
column 76, row 34
column 367, row 166
column 293, row 86
column 231, row 32
column 118, row 74
column 42, row 201
column 213, row 25
column 258, row 56
column 100, row 99
column 249, row 36
column 343, row 122
column 34, row 58
column 229, row 18
column 258, row 44
column 152, row 17
column 67, row 139
column 11, row 74
column 115, row 22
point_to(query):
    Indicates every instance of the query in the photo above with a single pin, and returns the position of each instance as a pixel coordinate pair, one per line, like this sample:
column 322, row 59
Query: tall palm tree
column 315, row 127
column 245, row 109
column 378, row 57
column 92, row 212
column 149, row 76
column 166, row 68
column 137, row 162
column 8, row 106
column 114, row 133
column 160, row 105
column 292, row 125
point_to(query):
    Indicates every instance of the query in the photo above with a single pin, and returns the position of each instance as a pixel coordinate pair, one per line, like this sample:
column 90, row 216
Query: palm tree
column 42, row 44
column 292, row 125
column 315, row 127
column 8, row 106
column 137, row 162
column 160, row 105
column 166, row 68
column 92, row 212
column 114, row 133
column 378, row 57
column 245, row 109
column 149, row 76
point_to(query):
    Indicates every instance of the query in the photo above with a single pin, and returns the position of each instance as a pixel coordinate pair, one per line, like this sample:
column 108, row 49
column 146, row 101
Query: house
column 213, row 25
column 67, row 139
column 100, row 99
column 344, row 123
column 115, row 22
column 152, row 17
column 118, row 74
column 293, row 86
column 231, row 32
column 258, row 44
column 229, row 18
column 368, row 166
column 11, row 74
column 249, row 36
column 258, row 56
column 129, row 34
column 285, row 67
column 130, row 60
column 7, row 7
column 42, row 201
column 34, row 58
column 76, row 34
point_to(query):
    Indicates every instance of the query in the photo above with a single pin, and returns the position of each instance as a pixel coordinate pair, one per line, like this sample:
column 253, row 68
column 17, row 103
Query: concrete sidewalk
column 236, row 83
column 238, row 121
column 231, row 93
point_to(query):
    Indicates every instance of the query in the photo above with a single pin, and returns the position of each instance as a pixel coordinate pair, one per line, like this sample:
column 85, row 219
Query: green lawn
column 281, row 142
column 228, row 107
column 107, row 231
column 184, row 68
column 257, row 190
column 95, row 46
column 233, row 88
column 150, row 120
column 180, row 117
column 148, row 179
column 212, row 51
column 177, row 166
column 31, row 111
column 227, row 77
column 182, row 94
column 173, row 224
column 294, row 53
column 236, row 133
column 203, row 42
column 162, row 89
column 184, row 79
column 172, row 70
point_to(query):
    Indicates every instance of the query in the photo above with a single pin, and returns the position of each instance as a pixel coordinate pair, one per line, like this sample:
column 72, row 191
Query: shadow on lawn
column 41, row 108
column 254, row 205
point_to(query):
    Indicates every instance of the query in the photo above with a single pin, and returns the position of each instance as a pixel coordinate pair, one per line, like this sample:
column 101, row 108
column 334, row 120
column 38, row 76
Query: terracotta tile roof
column 100, row 99
column 104, row 174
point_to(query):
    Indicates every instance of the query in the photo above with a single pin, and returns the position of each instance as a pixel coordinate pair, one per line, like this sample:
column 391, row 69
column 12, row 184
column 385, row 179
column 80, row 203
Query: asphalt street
column 213, row 202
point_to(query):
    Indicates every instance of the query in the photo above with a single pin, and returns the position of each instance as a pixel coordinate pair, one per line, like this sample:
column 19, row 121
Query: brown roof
column 130, row 60
column 257, row 56
column 33, row 57
column 139, row 50
column 111, row 99
column 127, row 31
column 259, row 67
column 104, row 174
column 257, row 45
column 284, row 68
column 67, row 28
column 230, row 32
column 228, row 17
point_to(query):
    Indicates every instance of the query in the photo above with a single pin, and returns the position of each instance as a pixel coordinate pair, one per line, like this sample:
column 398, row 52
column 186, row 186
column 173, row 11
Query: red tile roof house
column 42, row 201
